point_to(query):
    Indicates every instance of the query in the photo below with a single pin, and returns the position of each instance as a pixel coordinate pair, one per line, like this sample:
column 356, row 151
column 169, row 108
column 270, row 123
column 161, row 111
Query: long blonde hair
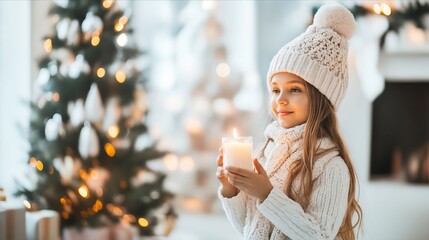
column 322, row 122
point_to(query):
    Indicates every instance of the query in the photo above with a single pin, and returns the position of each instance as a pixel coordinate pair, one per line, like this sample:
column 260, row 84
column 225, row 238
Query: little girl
column 303, row 186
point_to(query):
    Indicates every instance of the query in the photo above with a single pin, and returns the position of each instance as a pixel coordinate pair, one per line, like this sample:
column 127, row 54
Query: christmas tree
column 90, row 146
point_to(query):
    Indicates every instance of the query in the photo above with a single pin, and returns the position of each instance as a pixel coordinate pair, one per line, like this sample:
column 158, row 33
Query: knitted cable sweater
column 279, row 217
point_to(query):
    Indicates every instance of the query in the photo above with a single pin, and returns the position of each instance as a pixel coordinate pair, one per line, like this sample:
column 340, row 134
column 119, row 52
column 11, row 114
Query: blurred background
column 112, row 112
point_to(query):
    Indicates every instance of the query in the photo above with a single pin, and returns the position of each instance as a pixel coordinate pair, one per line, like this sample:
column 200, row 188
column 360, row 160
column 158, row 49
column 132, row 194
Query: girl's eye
column 275, row 91
column 295, row 90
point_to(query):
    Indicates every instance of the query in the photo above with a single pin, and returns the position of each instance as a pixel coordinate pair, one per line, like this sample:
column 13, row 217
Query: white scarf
column 285, row 147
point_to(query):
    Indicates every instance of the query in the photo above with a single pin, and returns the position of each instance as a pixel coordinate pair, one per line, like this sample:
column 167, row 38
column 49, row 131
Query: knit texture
column 319, row 55
column 279, row 217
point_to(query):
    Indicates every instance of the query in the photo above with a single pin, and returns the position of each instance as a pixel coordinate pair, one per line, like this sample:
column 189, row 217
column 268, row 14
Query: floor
column 203, row 227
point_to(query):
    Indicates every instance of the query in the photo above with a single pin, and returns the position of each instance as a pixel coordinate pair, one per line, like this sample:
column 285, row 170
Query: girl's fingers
column 259, row 167
column 220, row 160
column 238, row 184
column 235, row 178
column 220, row 173
column 239, row 171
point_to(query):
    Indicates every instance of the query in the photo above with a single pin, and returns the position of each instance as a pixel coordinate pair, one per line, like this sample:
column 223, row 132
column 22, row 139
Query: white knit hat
column 319, row 55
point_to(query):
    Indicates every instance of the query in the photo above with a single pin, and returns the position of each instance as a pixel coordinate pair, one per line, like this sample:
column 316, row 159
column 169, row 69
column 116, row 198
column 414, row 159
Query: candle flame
column 235, row 132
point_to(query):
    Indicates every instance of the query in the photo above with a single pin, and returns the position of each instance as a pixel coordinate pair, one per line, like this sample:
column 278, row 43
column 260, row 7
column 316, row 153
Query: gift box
column 122, row 231
column 42, row 225
column 12, row 222
column 86, row 233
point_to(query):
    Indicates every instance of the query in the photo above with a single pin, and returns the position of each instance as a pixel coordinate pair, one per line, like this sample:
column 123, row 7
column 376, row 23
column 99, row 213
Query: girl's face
column 289, row 100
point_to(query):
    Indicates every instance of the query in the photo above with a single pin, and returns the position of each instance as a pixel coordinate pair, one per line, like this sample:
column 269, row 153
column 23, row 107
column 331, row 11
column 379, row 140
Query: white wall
column 15, row 17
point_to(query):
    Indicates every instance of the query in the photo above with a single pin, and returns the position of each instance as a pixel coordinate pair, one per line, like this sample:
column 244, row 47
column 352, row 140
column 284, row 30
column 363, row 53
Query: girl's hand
column 255, row 183
column 227, row 189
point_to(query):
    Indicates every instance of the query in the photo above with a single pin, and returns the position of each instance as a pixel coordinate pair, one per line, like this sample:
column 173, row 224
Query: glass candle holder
column 237, row 152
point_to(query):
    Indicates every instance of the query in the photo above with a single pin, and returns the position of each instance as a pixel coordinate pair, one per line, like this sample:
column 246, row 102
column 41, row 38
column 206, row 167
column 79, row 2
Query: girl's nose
column 282, row 99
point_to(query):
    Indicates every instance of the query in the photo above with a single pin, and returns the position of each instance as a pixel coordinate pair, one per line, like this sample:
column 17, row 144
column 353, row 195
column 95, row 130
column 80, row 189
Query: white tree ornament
column 76, row 112
column 73, row 35
column 44, row 76
column 54, row 127
column 113, row 113
column 79, row 66
column 88, row 141
column 63, row 28
column 92, row 24
column 65, row 168
column 94, row 110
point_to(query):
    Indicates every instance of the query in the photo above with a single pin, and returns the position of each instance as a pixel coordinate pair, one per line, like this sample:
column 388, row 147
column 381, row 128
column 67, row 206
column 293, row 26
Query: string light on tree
column 122, row 39
column 114, row 210
column 98, row 205
column 101, row 72
column 382, row 8
column 129, row 218
column 123, row 20
column 95, row 40
column 377, row 8
column 120, row 76
column 119, row 26
column 27, row 204
column 33, row 162
column 48, row 45
column 385, row 9
column 110, row 149
column 83, row 175
column 39, row 165
column 143, row 222
column 113, row 131
column 83, row 191
column 63, row 201
column 56, row 97
column 107, row 3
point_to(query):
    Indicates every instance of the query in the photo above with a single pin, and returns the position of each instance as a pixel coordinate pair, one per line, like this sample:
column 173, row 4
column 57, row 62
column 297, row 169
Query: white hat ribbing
column 319, row 55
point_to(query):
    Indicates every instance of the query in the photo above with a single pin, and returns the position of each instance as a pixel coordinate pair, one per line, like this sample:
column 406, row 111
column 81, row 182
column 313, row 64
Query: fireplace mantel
column 405, row 65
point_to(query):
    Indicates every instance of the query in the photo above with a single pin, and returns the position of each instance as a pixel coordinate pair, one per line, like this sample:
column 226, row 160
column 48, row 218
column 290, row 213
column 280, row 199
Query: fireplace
column 400, row 132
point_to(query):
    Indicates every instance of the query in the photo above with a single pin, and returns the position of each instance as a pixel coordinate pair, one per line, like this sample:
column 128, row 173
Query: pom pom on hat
column 319, row 55
column 337, row 17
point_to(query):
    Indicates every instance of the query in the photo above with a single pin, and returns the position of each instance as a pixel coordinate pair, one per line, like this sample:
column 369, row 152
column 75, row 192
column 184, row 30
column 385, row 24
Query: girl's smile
column 282, row 113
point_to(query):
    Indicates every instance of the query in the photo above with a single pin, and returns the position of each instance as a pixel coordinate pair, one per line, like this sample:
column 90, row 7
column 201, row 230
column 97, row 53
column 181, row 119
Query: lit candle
column 237, row 151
